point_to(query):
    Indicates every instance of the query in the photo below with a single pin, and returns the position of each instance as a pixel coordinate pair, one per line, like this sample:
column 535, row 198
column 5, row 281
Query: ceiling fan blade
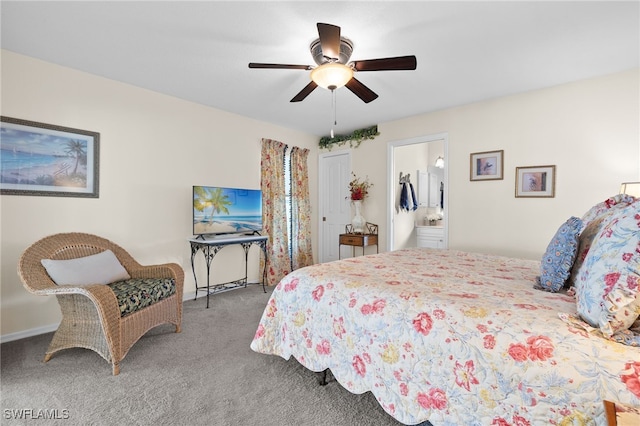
column 280, row 66
column 361, row 91
column 329, row 40
column 386, row 64
column 304, row 92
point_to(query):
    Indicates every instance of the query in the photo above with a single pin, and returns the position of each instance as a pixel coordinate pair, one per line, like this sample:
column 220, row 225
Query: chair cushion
column 138, row 293
column 101, row 268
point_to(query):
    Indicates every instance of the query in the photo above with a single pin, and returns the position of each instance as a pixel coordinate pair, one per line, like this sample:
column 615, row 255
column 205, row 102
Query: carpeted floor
column 206, row 375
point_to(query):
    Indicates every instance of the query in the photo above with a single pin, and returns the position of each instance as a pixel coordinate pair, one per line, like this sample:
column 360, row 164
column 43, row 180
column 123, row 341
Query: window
column 287, row 210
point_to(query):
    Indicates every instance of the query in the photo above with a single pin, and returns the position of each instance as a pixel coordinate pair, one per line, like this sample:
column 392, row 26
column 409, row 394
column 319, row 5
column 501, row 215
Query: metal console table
column 210, row 247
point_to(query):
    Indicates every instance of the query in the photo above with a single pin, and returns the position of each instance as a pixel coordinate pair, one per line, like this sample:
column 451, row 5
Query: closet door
column 335, row 208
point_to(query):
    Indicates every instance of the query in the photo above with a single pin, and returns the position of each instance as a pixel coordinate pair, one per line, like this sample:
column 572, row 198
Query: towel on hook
column 413, row 197
column 404, row 197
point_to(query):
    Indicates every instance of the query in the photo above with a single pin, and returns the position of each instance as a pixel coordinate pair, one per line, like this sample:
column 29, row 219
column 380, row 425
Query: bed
column 452, row 338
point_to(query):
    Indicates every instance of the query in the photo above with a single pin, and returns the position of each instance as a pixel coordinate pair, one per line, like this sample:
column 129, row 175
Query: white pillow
column 101, row 268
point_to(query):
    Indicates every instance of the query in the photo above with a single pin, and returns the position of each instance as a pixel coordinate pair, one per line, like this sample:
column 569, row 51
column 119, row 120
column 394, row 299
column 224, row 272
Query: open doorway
column 406, row 160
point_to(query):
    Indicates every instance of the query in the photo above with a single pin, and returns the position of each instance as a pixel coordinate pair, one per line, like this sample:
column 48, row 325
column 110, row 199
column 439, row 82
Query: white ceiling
column 199, row 51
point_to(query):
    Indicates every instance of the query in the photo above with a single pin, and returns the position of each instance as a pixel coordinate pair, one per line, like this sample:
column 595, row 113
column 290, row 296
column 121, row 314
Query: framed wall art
column 536, row 181
column 487, row 165
column 49, row 160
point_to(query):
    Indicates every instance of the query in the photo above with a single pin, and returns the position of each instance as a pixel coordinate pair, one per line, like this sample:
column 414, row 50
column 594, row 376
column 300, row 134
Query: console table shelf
column 211, row 246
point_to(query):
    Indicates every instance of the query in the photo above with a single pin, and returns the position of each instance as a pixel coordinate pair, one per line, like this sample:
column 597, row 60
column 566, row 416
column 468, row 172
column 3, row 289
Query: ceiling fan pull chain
column 333, row 107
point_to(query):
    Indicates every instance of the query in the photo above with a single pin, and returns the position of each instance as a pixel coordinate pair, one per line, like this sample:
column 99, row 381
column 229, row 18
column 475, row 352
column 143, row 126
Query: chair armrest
column 166, row 270
column 100, row 294
column 103, row 298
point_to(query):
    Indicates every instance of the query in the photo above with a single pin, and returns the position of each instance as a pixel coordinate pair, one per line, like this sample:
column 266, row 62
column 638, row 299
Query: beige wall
column 153, row 148
column 589, row 129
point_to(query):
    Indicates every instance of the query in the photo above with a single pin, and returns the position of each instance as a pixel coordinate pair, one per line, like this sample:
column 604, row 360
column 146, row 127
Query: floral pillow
column 559, row 257
column 608, row 290
column 617, row 201
column 593, row 222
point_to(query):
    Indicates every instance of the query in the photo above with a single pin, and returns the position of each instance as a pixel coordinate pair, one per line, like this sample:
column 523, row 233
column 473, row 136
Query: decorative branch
column 354, row 139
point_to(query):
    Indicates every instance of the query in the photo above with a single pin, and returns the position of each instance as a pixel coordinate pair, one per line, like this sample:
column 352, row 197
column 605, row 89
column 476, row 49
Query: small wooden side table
column 350, row 238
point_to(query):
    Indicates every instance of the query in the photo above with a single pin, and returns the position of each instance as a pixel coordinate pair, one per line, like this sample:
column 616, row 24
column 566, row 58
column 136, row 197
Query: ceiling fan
column 331, row 52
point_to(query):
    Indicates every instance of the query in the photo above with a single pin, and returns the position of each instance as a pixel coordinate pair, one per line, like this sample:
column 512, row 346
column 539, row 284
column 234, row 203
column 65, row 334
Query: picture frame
column 536, row 182
column 48, row 160
column 487, row 165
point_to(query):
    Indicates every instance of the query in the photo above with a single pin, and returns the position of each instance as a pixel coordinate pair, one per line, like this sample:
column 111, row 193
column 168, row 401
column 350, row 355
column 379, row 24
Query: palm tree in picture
column 213, row 198
column 76, row 149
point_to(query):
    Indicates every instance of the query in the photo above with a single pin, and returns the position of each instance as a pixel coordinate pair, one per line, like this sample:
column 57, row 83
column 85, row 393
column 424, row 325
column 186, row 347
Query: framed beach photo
column 49, row 160
column 488, row 165
column 536, row 181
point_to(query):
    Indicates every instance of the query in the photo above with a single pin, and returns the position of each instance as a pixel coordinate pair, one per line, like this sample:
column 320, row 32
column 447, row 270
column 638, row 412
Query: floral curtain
column 301, row 251
column 274, row 209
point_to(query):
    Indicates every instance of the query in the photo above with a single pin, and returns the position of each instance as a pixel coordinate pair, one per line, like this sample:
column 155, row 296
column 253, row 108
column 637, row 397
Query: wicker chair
column 91, row 316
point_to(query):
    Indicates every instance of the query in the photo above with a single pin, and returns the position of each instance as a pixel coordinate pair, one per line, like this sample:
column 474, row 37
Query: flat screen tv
column 218, row 210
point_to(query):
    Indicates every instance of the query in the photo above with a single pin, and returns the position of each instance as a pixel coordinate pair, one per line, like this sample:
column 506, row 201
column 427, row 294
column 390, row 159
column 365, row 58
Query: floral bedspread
column 450, row 337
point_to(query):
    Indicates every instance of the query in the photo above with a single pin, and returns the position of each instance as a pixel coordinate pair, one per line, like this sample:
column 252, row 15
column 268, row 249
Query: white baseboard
column 53, row 327
column 28, row 333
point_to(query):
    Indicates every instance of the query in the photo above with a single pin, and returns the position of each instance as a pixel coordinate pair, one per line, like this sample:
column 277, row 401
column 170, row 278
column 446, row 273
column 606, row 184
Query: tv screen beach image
column 218, row 210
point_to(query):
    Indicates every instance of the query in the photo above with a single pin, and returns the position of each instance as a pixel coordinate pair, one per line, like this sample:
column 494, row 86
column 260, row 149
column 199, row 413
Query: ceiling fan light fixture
column 332, row 53
column 332, row 76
